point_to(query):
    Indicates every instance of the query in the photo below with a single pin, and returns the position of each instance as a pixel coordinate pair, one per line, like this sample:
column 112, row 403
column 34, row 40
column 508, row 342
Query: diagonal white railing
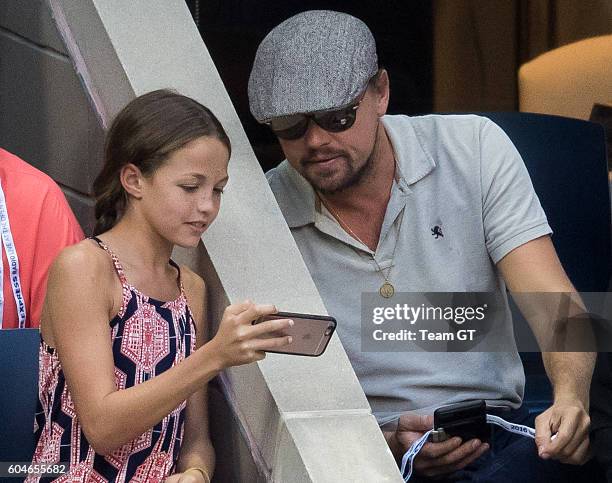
column 304, row 419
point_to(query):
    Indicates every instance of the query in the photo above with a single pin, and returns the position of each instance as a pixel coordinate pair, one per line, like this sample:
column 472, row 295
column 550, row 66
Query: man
column 601, row 413
column 36, row 224
column 392, row 203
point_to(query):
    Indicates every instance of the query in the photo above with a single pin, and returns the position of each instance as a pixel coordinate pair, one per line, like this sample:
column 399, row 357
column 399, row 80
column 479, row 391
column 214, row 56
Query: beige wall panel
column 354, row 435
column 82, row 207
column 46, row 117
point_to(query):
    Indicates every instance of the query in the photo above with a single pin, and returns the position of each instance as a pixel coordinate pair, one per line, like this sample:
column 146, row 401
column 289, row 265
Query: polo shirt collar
column 300, row 210
column 411, row 154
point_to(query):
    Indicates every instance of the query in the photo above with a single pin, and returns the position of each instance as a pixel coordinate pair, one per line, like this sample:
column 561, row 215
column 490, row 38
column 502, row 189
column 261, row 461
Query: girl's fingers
column 238, row 308
column 269, row 326
column 270, row 344
column 254, row 312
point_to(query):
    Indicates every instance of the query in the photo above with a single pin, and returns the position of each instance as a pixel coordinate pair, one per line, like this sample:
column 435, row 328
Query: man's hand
column 569, row 420
column 434, row 459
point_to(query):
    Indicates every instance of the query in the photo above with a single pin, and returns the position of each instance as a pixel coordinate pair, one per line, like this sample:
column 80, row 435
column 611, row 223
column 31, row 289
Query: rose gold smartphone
column 311, row 333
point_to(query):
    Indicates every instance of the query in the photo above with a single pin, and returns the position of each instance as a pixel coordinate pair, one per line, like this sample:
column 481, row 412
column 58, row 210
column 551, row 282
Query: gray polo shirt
column 460, row 173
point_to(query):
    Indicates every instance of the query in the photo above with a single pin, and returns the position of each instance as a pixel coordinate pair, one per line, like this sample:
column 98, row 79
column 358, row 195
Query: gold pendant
column 386, row 290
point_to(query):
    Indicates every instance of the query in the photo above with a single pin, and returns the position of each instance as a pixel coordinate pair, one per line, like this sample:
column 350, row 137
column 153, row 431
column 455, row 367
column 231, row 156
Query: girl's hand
column 239, row 342
column 188, row 477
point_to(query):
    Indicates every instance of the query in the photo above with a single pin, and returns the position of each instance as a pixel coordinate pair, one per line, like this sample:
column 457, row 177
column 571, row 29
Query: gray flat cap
column 312, row 61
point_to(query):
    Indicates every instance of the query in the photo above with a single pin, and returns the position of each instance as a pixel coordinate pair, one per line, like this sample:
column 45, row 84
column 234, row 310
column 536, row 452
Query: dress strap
column 116, row 263
column 180, row 278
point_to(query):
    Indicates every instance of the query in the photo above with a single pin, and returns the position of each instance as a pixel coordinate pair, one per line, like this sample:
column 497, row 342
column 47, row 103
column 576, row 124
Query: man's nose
column 315, row 135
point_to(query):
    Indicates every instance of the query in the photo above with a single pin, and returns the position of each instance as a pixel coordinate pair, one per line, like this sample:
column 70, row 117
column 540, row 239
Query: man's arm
column 535, row 267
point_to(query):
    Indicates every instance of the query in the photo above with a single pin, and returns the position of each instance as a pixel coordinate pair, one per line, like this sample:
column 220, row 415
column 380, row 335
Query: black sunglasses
column 295, row 126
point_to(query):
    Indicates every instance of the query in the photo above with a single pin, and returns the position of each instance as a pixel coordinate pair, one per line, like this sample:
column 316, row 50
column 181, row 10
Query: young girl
column 126, row 400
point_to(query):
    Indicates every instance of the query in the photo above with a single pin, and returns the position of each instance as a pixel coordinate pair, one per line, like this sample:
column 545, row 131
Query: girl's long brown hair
column 145, row 133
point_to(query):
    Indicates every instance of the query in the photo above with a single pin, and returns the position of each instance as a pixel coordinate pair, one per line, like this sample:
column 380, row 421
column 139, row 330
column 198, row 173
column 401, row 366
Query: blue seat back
column 566, row 159
column 19, row 378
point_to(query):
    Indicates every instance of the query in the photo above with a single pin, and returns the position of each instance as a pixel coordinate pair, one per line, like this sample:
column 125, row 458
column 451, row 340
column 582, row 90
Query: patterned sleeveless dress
column 148, row 337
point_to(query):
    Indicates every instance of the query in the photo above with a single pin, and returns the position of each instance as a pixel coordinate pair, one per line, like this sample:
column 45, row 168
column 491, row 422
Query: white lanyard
column 408, row 459
column 512, row 427
column 13, row 263
column 409, row 456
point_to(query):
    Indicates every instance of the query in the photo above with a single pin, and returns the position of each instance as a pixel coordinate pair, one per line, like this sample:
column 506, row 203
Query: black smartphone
column 468, row 420
column 311, row 333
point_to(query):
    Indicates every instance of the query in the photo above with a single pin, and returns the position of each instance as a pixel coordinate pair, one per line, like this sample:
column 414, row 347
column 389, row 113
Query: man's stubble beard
column 353, row 177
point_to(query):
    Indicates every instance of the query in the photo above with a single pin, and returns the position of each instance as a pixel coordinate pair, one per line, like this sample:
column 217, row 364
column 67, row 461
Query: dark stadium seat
column 566, row 159
column 19, row 383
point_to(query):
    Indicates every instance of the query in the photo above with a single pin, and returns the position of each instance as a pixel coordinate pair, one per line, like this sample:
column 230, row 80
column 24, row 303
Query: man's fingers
column 456, row 456
column 579, row 456
column 446, row 469
column 544, row 429
column 482, row 449
column 572, row 443
column 567, row 436
column 436, row 450
column 571, row 436
column 423, row 462
column 415, row 422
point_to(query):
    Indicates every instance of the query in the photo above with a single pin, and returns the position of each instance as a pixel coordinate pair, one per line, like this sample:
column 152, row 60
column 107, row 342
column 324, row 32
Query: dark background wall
column 232, row 30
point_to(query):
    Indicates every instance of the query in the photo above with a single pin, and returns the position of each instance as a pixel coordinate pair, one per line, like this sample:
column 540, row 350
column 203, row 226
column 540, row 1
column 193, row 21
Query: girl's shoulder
column 84, row 260
column 194, row 286
column 81, row 287
column 191, row 279
column 195, row 292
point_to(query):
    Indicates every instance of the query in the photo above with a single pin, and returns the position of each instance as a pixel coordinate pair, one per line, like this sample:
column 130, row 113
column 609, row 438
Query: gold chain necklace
column 386, row 290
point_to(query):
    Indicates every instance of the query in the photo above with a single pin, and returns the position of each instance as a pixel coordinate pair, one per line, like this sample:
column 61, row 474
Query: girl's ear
column 132, row 180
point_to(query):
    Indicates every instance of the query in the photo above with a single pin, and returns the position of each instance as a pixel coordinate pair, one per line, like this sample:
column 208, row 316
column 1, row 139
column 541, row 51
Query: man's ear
column 381, row 87
column 132, row 180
